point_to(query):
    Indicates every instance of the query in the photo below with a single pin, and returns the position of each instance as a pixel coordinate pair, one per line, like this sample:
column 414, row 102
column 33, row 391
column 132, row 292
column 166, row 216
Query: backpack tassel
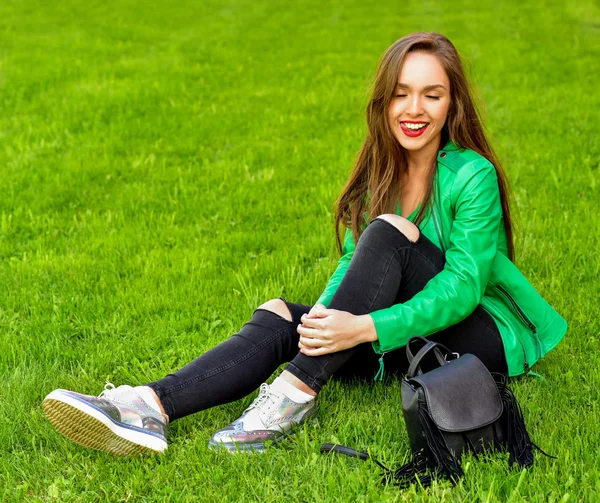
column 518, row 443
column 435, row 457
column 445, row 462
column 414, row 469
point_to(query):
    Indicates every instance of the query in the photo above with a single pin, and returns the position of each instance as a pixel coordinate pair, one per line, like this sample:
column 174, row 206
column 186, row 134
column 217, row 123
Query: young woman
column 427, row 251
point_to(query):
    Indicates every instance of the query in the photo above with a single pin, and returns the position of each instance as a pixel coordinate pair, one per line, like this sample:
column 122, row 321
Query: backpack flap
column 461, row 395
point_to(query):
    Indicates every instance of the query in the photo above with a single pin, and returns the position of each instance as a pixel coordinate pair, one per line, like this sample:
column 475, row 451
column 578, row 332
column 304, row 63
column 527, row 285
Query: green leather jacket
column 466, row 223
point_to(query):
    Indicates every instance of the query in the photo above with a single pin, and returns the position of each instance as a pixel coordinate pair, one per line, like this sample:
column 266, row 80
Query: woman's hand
column 326, row 331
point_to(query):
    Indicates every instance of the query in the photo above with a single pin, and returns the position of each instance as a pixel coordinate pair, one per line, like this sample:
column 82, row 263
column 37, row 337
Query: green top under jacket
column 466, row 223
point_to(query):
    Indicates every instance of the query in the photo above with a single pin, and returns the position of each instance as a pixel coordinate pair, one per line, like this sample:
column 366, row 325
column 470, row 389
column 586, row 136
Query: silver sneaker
column 268, row 418
column 118, row 421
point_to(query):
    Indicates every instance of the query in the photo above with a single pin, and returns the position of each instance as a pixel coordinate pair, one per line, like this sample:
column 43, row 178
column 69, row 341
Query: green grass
column 166, row 169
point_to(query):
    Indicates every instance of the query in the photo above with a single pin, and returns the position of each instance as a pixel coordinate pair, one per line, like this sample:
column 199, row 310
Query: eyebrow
column 426, row 88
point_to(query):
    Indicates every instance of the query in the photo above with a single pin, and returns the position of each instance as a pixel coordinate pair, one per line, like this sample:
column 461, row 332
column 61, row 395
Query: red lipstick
column 413, row 133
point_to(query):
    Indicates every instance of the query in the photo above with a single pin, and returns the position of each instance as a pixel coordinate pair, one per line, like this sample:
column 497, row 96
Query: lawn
column 166, row 168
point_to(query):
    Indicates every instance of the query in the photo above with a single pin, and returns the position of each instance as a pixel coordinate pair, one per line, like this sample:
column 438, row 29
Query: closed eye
column 433, row 97
column 400, row 95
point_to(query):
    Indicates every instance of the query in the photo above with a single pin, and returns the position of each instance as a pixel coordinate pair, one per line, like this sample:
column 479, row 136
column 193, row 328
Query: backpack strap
column 437, row 349
column 353, row 453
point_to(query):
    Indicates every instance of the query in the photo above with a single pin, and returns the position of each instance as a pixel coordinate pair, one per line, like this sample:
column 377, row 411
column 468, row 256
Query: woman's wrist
column 368, row 332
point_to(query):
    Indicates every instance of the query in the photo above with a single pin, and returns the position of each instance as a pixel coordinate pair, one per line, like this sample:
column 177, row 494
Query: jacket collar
column 450, row 156
column 449, row 147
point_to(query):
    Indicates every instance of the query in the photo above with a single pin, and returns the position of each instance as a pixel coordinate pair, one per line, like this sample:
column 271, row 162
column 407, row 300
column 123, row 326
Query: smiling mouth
column 413, row 129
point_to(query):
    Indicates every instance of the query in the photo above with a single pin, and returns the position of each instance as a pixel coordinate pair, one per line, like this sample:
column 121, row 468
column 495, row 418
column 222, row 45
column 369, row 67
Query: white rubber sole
column 88, row 426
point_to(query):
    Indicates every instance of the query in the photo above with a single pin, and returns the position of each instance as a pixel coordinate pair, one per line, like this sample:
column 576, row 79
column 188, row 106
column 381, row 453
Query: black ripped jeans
column 386, row 269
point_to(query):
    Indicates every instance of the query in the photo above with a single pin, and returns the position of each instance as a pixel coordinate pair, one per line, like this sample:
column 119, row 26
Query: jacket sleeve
column 334, row 282
column 452, row 294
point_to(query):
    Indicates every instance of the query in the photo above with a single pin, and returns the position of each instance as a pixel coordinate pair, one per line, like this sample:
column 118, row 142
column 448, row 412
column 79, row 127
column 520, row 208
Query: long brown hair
column 374, row 183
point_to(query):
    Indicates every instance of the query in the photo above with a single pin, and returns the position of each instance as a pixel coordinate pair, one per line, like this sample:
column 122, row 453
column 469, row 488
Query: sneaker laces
column 264, row 400
column 118, row 393
column 264, row 412
column 108, row 387
column 123, row 395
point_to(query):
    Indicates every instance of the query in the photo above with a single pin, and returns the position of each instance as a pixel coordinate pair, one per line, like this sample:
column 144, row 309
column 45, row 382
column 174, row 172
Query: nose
column 415, row 106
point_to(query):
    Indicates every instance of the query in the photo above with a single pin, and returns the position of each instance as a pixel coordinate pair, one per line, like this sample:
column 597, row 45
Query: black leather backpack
column 455, row 407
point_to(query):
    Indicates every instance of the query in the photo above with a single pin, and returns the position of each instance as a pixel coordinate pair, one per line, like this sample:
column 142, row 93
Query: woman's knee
column 406, row 227
column 277, row 306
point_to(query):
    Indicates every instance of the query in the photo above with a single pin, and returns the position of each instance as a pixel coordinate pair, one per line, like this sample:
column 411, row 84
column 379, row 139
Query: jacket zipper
column 437, row 230
column 526, row 321
column 379, row 374
column 435, row 220
column 518, row 310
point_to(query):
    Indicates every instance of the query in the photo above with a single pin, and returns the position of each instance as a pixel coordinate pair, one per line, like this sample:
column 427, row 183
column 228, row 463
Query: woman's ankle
column 297, row 383
column 147, row 390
